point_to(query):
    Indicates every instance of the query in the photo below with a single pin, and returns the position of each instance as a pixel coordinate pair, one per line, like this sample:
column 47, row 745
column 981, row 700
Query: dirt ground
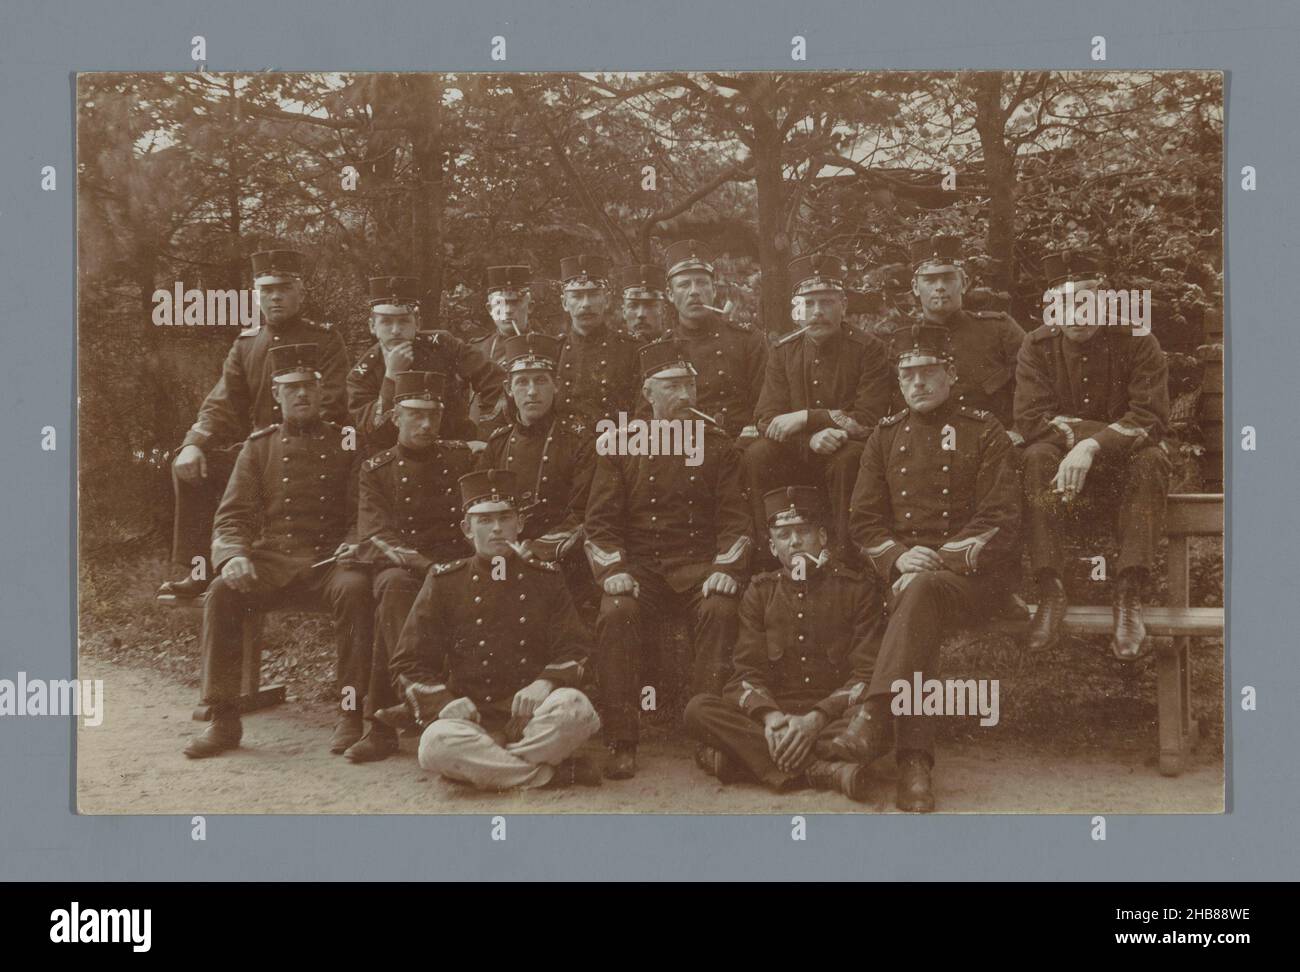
column 132, row 764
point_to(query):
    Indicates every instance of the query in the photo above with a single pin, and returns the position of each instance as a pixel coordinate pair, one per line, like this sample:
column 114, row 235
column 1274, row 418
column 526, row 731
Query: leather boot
column 621, row 762
column 399, row 719
column 223, row 732
column 847, row 778
column 718, row 763
column 1049, row 620
column 378, row 743
column 1129, row 639
column 868, row 736
column 182, row 590
column 914, row 791
column 347, row 731
column 576, row 771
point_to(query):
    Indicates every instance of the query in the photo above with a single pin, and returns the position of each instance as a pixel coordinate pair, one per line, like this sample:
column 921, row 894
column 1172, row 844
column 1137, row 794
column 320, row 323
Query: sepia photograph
column 658, row 442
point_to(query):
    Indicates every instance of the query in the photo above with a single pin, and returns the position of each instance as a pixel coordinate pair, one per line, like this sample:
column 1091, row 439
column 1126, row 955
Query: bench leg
column 1174, row 705
column 253, row 694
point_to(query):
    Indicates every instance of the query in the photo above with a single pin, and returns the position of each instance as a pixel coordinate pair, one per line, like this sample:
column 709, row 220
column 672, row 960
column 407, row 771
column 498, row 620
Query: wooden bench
column 1188, row 515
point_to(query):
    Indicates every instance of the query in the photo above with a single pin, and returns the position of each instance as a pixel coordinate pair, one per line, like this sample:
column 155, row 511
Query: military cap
column 512, row 279
column 394, row 295
column 294, row 362
column 936, row 252
column 688, row 255
column 584, row 271
column 277, row 266
column 419, row 389
column 1067, row 265
column 531, row 352
column 666, row 359
column 817, row 272
column 920, row 344
column 642, row 281
column 794, row 504
column 488, row 491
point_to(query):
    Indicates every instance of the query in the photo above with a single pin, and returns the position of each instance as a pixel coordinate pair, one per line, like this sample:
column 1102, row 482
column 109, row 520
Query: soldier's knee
column 1151, row 461
column 574, row 706
column 618, row 608
column 761, row 456
column 718, row 607
column 694, row 715
column 220, row 591
column 394, row 579
column 438, row 741
column 1041, row 455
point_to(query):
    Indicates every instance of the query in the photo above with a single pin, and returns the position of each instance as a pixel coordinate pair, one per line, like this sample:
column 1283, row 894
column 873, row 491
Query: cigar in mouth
column 708, row 418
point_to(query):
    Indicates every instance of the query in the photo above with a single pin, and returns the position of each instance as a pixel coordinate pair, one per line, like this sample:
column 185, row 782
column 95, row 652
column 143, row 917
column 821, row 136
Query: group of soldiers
column 857, row 498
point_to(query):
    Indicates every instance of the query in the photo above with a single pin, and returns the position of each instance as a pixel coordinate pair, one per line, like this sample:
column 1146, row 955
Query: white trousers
column 463, row 750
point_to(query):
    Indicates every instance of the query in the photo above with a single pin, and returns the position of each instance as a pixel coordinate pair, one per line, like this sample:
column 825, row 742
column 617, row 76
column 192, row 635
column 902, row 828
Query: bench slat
column 1194, row 514
column 1162, row 622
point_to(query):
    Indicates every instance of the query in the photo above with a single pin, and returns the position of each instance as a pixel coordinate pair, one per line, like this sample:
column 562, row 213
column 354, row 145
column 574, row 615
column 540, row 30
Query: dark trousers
column 395, row 590
column 1133, row 488
column 346, row 591
column 769, row 464
column 720, row 723
column 196, row 504
column 621, row 630
column 931, row 605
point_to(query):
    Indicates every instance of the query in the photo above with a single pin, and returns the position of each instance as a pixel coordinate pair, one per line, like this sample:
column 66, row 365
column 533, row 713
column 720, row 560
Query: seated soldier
column 492, row 655
column 935, row 511
column 665, row 538
column 290, row 501
column 802, row 658
column 408, row 519
column 552, row 460
column 1092, row 402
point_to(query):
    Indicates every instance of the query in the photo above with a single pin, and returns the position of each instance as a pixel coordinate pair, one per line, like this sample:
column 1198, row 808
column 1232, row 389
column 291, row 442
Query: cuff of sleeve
column 818, row 419
column 882, row 557
column 195, row 437
column 564, row 674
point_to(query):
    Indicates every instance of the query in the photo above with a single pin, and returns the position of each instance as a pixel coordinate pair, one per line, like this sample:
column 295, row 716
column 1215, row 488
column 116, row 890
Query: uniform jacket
column 410, row 498
column 241, row 402
column 845, row 382
column 656, row 513
column 985, row 345
column 1113, row 388
column 730, row 358
column 806, row 644
column 471, row 636
column 554, row 464
column 961, row 502
column 598, row 377
column 291, row 500
column 370, row 388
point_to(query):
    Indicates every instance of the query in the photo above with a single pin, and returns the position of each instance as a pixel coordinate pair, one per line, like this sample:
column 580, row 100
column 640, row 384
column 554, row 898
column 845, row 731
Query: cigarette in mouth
column 716, row 310
column 708, row 418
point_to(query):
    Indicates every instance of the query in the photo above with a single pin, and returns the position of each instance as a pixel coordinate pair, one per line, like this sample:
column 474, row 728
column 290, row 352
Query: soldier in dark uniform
column 242, row 402
column 1092, row 402
column 598, row 368
column 290, row 502
column 984, row 343
column 408, row 519
column 936, row 512
column 644, row 303
column 827, row 386
column 492, row 656
column 395, row 322
column 553, row 462
column 803, row 658
column 729, row 357
column 508, row 300
column 665, row 537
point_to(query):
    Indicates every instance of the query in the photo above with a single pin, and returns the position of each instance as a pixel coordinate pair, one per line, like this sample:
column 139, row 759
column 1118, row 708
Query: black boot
column 182, row 590
column 621, row 762
column 378, row 743
column 868, row 736
column 1130, row 633
column 223, row 732
column 576, row 771
column 1049, row 620
column 347, row 731
column 718, row 763
column 847, row 778
column 914, row 791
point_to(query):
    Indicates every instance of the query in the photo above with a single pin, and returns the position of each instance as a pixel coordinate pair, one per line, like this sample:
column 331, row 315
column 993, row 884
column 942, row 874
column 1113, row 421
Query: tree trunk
column 773, row 243
column 1000, row 169
column 429, row 192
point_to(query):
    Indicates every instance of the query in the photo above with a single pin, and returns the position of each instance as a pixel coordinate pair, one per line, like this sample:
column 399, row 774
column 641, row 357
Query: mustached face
column 392, row 329
column 491, row 533
column 299, row 400
column 644, row 319
column 941, row 292
column 670, row 398
column 926, row 387
column 792, row 539
column 691, row 291
column 417, row 428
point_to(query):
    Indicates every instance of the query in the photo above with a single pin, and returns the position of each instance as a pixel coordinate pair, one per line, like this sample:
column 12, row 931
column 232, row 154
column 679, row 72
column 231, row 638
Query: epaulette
column 499, row 432
column 741, row 325
column 453, row 445
column 253, row 331
column 544, row 565
column 989, row 315
column 979, row 414
column 624, row 336
column 1044, row 332
column 448, row 567
column 787, row 338
column 839, row 569
column 893, row 419
column 318, row 325
column 379, row 458
column 766, row 577
column 262, row 433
